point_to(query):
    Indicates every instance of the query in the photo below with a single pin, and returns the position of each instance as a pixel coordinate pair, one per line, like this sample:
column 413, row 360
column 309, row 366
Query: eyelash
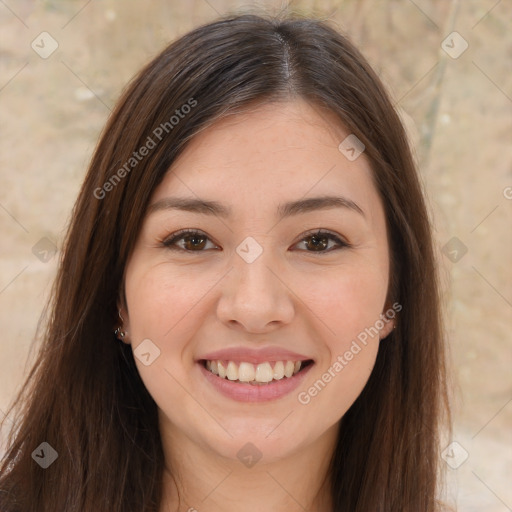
column 169, row 242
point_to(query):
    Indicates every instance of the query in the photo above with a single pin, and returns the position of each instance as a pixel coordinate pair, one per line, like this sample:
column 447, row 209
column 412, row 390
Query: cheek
column 345, row 300
column 160, row 302
column 163, row 306
column 348, row 304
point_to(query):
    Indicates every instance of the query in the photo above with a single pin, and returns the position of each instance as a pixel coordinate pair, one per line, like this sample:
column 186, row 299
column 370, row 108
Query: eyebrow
column 284, row 210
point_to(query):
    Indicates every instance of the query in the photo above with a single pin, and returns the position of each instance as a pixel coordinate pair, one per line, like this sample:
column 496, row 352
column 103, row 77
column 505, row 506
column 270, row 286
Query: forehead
column 267, row 154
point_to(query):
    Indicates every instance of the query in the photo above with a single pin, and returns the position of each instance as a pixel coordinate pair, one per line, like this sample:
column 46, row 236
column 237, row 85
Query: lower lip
column 255, row 393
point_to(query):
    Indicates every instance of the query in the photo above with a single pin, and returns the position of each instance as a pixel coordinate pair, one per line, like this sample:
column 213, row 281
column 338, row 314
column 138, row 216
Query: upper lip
column 254, row 356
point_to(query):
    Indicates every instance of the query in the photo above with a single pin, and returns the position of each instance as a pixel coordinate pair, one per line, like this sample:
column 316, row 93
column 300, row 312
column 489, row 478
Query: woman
column 246, row 313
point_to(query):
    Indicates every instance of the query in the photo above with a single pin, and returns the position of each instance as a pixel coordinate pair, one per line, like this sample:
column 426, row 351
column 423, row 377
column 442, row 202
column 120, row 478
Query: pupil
column 194, row 240
column 317, row 242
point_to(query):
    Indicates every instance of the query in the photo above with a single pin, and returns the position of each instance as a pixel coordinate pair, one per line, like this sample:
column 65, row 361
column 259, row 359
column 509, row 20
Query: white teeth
column 232, row 371
column 278, row 370
column 247, row 372
column 288, row 368
column 264, row 373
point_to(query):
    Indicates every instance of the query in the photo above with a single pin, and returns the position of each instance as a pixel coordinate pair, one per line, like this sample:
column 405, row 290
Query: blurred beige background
column 456, row 102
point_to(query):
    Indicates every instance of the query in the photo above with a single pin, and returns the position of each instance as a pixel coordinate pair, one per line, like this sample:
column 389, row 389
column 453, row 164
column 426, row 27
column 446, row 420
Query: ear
column 389, row 325
column 388, row 318
column 123, row 321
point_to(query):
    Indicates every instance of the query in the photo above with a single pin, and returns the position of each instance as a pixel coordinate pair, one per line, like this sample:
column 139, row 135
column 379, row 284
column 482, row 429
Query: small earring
column 118, row 332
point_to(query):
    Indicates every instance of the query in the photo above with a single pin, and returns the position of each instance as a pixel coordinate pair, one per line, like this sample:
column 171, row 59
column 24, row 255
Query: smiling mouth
column 255, row 374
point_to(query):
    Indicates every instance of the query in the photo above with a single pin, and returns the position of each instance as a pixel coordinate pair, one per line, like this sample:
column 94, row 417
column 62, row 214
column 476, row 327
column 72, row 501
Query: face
column 260, row 287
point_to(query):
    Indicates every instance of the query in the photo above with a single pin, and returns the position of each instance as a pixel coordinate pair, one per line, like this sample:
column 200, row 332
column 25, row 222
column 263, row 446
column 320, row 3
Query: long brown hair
column 84, row 396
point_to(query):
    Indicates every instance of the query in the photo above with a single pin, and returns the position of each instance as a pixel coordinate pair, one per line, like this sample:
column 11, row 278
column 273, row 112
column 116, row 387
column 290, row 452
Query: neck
column 205, row 480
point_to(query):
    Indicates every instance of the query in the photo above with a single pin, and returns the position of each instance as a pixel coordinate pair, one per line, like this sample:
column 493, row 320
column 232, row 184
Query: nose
column 254, row 296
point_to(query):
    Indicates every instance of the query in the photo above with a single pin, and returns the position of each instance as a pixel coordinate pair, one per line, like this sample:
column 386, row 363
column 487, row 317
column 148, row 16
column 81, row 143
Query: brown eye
column 196, row 241
column 193, row 241
column 319, row 241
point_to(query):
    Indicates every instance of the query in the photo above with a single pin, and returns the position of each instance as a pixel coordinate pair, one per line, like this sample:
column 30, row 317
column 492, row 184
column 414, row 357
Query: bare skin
column 201, row 297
